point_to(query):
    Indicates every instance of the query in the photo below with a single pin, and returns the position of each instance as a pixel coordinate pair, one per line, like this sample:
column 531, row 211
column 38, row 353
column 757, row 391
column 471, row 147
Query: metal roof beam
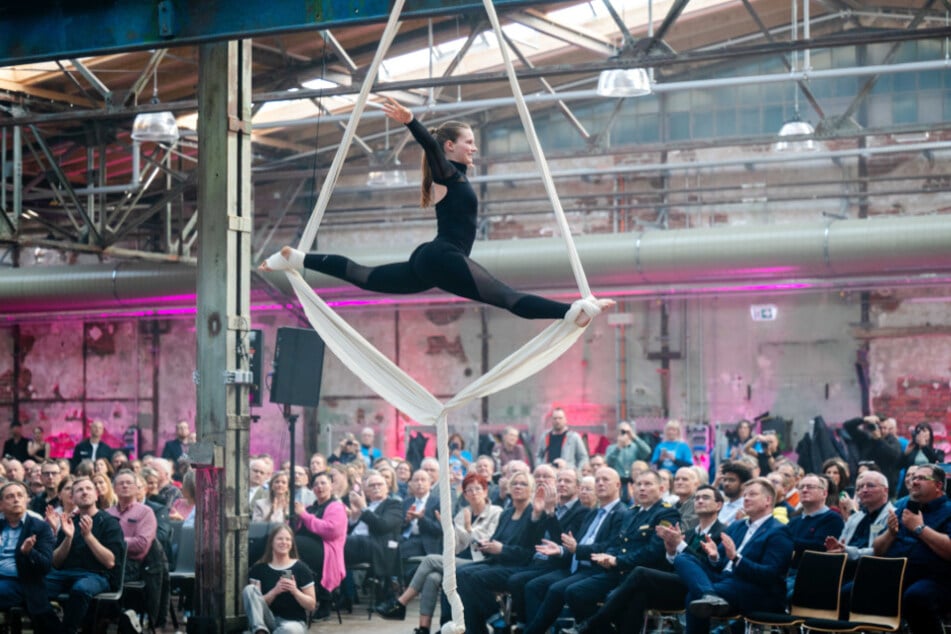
column 60, row 29
column 576, row 37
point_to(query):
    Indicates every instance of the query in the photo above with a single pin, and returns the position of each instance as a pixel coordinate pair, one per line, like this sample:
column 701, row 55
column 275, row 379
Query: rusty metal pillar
column 223, row 323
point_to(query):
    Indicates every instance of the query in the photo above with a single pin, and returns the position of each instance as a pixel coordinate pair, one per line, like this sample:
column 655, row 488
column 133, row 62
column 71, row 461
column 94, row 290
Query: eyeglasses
column 920, row 478
column 473, row 490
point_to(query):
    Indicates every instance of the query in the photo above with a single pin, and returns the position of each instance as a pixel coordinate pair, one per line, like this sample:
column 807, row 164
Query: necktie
column 589, row 536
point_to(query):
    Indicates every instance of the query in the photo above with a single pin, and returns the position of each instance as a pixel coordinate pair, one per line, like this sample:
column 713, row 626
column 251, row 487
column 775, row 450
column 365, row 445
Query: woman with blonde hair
column 107, row 496
column 278, row 505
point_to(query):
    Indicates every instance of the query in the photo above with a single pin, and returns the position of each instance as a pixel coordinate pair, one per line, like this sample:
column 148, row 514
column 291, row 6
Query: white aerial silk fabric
column 386, row 378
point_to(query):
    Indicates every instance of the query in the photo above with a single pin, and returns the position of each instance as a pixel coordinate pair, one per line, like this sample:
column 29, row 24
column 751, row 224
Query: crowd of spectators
column 607, row 536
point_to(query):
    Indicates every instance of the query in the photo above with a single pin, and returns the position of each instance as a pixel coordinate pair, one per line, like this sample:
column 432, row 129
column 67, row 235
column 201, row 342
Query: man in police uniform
column 637, row 544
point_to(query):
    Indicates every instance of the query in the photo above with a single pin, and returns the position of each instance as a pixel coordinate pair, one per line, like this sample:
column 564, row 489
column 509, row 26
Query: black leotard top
column 457, row 212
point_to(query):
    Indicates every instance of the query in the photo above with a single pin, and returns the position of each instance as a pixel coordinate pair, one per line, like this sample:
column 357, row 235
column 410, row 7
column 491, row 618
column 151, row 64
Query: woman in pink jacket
column 321, row 530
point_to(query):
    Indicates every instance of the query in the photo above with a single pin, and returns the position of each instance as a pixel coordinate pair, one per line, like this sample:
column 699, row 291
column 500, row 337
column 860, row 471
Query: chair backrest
column 185, row 558
column 877, row 590
column 816, row 593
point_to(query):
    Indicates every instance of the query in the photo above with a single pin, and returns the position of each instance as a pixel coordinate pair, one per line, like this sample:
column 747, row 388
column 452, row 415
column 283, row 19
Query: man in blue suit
column 747, row 571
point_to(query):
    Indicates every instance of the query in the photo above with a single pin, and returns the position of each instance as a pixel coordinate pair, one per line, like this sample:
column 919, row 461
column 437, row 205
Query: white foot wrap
column 277, row 262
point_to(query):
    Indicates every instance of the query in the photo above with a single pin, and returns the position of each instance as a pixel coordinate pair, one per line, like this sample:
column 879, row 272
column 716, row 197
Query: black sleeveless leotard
column 444, row 262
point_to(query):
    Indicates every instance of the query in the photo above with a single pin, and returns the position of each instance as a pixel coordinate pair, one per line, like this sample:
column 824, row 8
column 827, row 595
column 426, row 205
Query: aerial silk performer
column 442, row 263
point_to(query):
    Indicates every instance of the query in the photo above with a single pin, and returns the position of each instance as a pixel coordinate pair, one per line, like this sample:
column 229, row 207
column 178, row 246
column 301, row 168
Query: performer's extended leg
column 388, row 278
column 450, row 269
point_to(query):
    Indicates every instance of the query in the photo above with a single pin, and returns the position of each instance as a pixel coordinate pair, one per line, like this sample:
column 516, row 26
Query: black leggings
column 438, row 264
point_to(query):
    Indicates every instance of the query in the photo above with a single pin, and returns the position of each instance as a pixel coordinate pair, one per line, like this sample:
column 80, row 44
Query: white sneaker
column 131, row 622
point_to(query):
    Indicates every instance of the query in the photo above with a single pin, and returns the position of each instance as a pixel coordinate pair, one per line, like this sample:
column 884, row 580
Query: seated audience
column 654, row 588
column 421, row 531
column 587, row 496
column 280, row 594
column 868, row 521
column 183, row 509
column 731, row 478
column 25, row 556
column 50, row 477
column 85, row 561
column 137, row 522
column 277, row 506
column 747, row 571
column 579, row 576
column 510, row 547
column 321, row 533
column 817, row 522
column 685, row 485
column 474, row 523
column 374, row 529
column 920, row 529
column 107, row 496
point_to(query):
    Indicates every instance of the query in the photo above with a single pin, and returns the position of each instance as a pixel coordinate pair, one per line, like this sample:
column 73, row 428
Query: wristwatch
column 918, row 530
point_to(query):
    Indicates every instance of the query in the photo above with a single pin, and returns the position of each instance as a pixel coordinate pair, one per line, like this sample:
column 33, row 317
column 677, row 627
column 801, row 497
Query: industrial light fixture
column 387, row 178
column 800, row 132
column 157, row 127
column 385, row 173
column 624, row 82
column 795, row 135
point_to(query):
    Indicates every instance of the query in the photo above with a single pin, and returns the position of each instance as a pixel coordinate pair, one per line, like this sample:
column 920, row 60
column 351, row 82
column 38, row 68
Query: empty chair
column 816, row 593
column 875, row 599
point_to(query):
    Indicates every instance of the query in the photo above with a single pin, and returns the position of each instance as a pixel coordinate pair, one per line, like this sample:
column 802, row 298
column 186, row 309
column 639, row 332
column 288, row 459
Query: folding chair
column 816, row 594
column 875, row 599
column 182, row 577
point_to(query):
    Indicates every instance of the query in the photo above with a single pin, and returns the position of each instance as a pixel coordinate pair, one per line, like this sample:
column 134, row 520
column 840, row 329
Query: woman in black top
column 281, row 589
column 444, row 262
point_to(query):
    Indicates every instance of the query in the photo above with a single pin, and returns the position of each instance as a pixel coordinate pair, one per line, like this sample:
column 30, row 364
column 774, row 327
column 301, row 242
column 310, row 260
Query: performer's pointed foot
column 287, row 258
column 583, row 318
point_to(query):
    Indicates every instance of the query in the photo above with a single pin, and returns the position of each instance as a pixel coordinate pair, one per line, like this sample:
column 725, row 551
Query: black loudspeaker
column 256, row 353
column 298, row 366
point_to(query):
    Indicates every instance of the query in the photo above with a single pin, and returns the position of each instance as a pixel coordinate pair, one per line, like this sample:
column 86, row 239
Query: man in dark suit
column 25, row 562
column 545, row 595
column 91, row 448
column 649, row 588
column 421, row 531
column 748, row 569
column 638, row 544
column 16, row 446
column 374, row 525
column 176, row 448
column 563, row 515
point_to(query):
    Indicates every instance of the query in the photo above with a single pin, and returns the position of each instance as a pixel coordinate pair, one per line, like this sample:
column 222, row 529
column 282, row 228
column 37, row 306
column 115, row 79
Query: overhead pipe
column 762, row 255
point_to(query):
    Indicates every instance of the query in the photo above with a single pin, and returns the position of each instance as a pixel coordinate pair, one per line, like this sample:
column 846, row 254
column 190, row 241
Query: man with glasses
column 747, row 570
column 920, row 529
column 816, row 523
column 868, row 522
column 373, row 532
column 648, row 588
column 50, row 477
column 628, row 448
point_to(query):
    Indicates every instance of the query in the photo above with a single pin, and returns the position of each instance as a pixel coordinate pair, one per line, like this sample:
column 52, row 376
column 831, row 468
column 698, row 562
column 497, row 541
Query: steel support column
column 223, row 321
